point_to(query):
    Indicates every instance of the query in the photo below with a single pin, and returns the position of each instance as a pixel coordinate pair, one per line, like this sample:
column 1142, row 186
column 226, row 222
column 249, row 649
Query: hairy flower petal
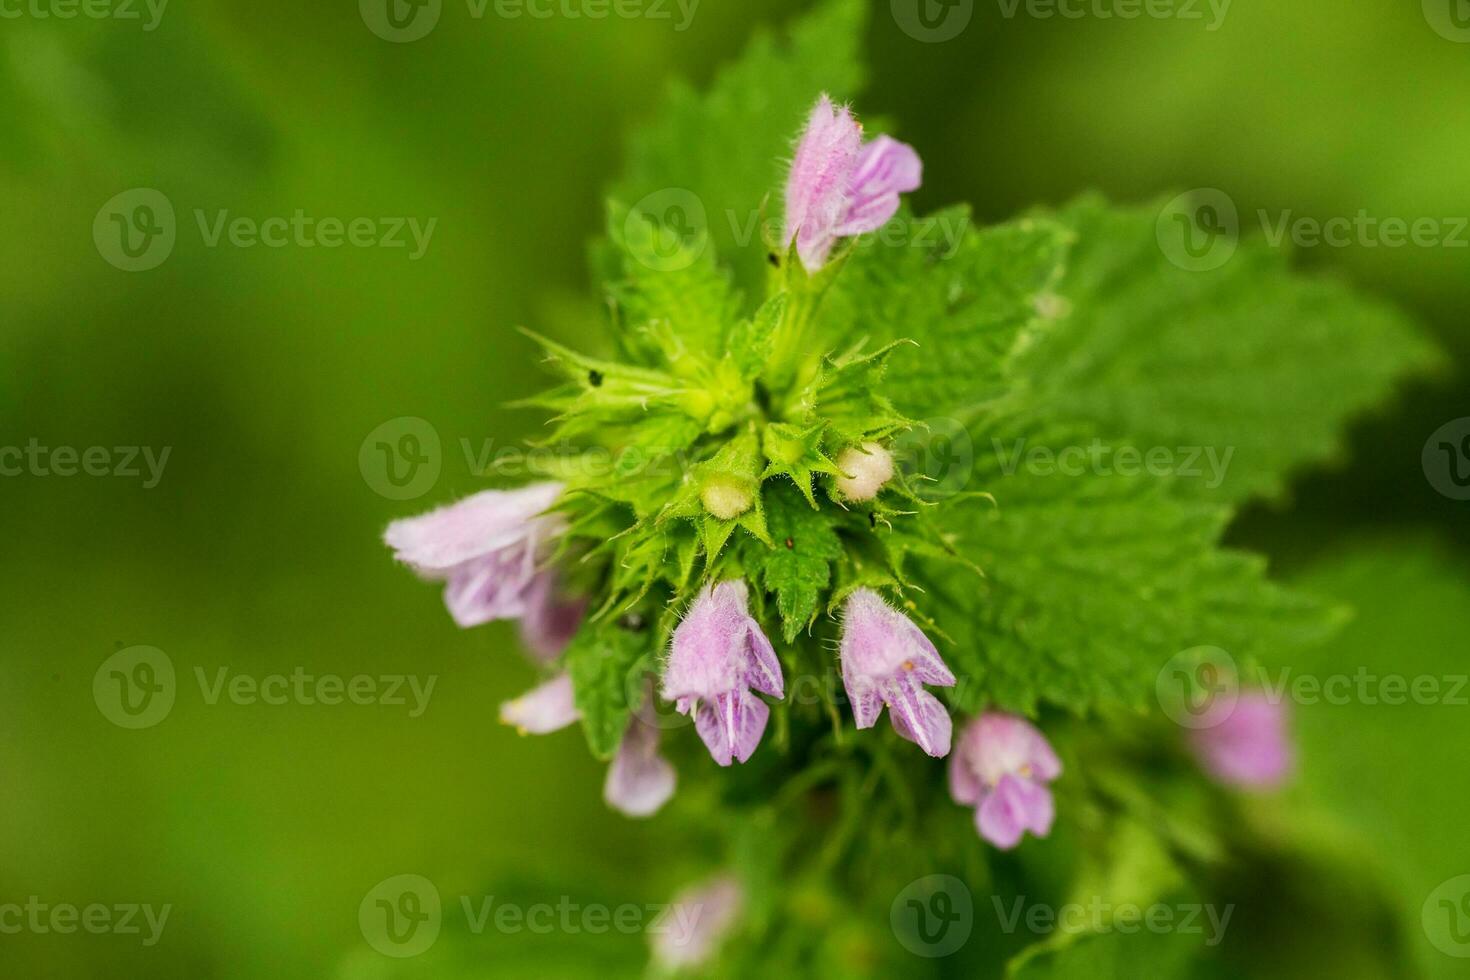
column 543, row 709
column 639, row 781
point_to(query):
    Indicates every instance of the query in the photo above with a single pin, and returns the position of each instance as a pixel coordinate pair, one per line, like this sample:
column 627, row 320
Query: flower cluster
column 746, row 419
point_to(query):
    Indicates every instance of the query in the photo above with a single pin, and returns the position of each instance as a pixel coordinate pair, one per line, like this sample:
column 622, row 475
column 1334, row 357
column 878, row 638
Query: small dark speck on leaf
column 594, row 378
column 790, row 543
column 774, row 259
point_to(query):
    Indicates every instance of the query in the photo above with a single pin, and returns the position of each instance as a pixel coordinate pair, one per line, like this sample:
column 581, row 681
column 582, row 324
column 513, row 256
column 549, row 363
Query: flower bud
column 866, row 468
column 725, row 497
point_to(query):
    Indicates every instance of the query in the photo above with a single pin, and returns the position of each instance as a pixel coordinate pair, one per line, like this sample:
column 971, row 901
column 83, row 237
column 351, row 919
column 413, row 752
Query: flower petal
column 919, row 716
column 764, row 669
column 437, row 542
column 546, row 708
column 731, row 725
column 1251, row 747
column 549, row 621
column 489, row 588
column 821, row 174
column 698, row 922
column 639, row 781
column 885, row 169
column 1001, row 817
column 965, row 787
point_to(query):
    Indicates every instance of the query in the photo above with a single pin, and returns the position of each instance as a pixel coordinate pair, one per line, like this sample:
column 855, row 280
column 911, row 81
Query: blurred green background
column 265, row 369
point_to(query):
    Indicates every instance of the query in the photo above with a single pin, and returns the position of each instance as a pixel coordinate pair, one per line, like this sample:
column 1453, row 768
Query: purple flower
column 486, row 549
column 1250, row 747
column 838, row 186
column 717, row 655
column 1001, row 767
column 886, row 659
column 550, row 620
column 547, row 708
column 697, row 922
column 639, row 781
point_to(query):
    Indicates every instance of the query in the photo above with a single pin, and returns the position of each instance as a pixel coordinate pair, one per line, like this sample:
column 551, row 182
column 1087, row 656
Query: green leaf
column 1093, row 581
column 1112, row 956
column 725, row 147
column 607, row 663
column 671, row 299
column 798, row 567
column 967, row 298
column 1247, row 357
column 1383, row 760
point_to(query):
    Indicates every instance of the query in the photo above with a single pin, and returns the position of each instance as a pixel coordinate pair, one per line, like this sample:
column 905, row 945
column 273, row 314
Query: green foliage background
column 265, row 369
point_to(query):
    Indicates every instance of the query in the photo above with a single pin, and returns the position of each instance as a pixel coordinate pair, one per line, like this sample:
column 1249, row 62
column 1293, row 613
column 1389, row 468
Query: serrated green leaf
column 798, row 567
column 1093, row 581
column 1247, row 357
column 607, row 663
column 671, row 300
column 966, row 298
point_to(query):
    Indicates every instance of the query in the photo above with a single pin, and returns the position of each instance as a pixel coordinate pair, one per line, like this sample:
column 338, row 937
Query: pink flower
column 838, row 186
column 717, row 655
column 886, row 659
column 544, row 709
column 1250, row 747
column 486, row 549
column 550, row 620
column 1001, row 767
column 639, row 781
column 697, row 922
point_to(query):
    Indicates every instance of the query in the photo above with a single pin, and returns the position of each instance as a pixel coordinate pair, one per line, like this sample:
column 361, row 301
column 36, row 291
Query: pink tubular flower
column 1001, row 767
column 1250, row 747
column 717, row 655
column 639, row 781
column 838, row 186
column 550, row 620
column 485, row 548
column 698, row 921
column 886, row 659
column 547, row 708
